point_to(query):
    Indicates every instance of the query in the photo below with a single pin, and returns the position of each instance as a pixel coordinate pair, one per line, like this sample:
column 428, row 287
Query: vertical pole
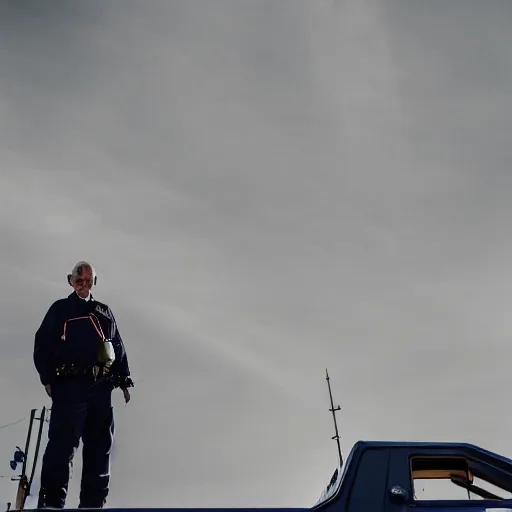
column 333, row 410
column 23, row 485
column 27, row 443
column 38, row 444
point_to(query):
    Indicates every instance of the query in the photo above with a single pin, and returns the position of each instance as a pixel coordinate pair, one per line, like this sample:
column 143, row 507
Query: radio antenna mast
column 334, row 410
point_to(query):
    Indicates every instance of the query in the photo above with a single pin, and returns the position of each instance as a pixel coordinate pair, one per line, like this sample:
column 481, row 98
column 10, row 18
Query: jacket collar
column 74, row 295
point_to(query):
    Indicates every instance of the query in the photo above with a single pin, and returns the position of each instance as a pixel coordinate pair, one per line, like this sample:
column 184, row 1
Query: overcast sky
column 266, row 189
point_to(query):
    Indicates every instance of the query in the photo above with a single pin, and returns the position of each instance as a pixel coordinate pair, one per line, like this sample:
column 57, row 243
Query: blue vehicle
column 420, row 476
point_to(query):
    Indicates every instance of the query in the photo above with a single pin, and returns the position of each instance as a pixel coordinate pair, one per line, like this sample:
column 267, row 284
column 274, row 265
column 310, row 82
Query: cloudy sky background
column 266, row 189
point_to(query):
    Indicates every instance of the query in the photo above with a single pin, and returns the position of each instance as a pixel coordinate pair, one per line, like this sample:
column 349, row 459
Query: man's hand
column 126, row 394
column 48, row 389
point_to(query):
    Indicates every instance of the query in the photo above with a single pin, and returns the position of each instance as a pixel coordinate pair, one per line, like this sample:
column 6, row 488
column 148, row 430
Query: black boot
column 48, row 499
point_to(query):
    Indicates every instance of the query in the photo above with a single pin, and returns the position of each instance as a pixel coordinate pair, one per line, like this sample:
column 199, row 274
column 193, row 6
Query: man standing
column 80, row 358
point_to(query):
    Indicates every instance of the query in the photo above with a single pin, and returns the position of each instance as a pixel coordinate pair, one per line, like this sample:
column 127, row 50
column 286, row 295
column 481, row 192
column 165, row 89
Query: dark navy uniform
column 66, row 357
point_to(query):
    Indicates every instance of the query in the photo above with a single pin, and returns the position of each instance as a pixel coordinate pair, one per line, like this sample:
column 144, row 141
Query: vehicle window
column 451, row 478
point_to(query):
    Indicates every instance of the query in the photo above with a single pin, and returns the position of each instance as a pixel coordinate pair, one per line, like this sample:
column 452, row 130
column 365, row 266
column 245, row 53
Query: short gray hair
column 79, row 268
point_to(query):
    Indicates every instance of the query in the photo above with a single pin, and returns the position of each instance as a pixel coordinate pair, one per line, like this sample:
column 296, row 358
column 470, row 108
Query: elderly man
column 80, row 358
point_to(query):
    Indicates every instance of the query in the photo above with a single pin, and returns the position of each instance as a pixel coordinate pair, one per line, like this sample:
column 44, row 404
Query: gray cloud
column 266, row 189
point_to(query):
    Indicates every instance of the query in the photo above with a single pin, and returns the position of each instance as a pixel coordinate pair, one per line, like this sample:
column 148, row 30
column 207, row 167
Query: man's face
column 83, row 282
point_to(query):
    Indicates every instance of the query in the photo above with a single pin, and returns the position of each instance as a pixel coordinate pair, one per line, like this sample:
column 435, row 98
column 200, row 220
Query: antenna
column 334, row 410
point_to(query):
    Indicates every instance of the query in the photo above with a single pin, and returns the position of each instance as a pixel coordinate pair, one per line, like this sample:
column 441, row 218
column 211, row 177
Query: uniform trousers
column 81, row 410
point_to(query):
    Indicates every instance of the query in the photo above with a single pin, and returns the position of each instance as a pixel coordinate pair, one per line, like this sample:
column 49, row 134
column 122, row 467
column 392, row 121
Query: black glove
column 122, row 382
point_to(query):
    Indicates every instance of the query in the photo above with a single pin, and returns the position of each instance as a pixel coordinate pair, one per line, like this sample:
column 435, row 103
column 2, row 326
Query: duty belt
column 97, row 371
column 76, row 371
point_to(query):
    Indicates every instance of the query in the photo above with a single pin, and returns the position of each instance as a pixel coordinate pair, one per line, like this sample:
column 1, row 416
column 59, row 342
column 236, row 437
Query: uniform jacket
column 49, row 349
